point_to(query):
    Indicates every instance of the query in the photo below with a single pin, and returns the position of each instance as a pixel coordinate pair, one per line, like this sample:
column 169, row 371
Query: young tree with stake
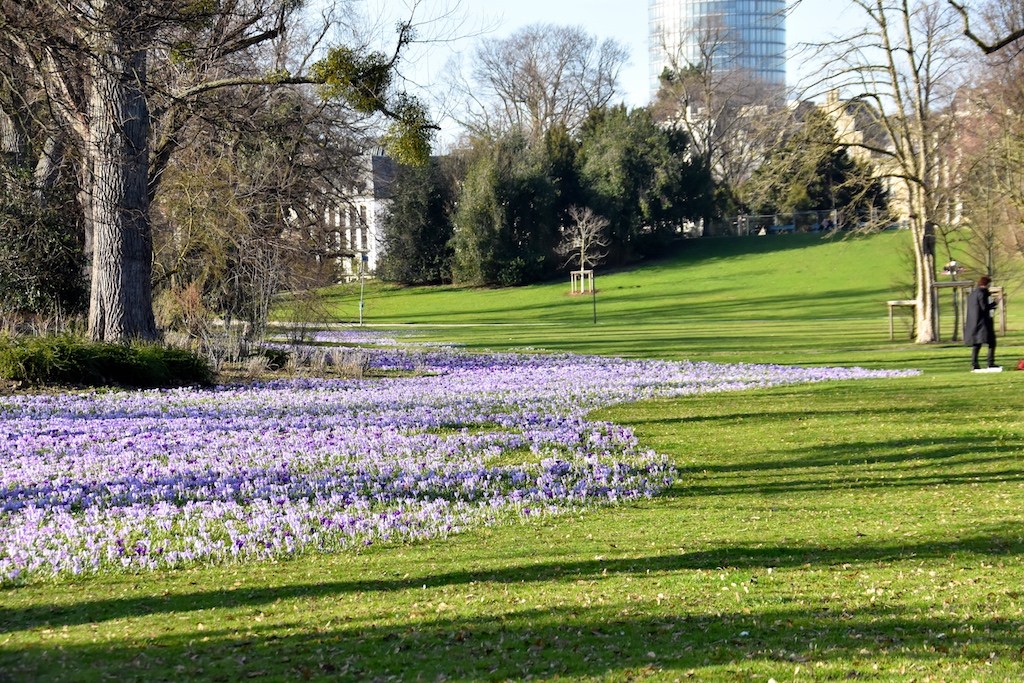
column 583, row 243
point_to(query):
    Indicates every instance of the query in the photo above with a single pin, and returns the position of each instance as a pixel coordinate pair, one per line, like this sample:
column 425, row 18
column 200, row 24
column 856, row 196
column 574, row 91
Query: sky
column 624, row 20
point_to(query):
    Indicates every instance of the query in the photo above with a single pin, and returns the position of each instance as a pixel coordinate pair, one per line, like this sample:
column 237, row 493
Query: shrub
column 276, row 358
column 354, row 364
column 71, row 360
column 182, row 309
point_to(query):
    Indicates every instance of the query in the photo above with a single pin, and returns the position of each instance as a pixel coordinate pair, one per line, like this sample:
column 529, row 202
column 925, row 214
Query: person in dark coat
column 978, row 326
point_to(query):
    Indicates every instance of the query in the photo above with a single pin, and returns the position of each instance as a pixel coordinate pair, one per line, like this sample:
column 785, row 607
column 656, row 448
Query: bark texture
column 48, row 168
column 12, row 139
column 117, row 152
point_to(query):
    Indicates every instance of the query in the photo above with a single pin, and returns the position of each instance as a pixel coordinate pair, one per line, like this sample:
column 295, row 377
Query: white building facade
column 356, row 224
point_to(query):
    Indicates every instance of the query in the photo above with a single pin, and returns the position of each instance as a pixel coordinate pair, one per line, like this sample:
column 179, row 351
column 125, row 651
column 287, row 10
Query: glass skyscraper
column 739, row 34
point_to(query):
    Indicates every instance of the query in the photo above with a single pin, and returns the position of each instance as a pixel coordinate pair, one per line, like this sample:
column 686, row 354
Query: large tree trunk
column 924, row 235
column 924, row 257
column 121, row 301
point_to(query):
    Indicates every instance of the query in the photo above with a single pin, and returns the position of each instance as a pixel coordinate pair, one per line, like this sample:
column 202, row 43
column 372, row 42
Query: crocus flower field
column 114, row 481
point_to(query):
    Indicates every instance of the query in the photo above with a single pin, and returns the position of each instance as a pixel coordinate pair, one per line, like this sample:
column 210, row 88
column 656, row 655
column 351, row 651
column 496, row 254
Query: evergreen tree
column 812, row 171
column 640, row 176
column 41, row 254
column 418, row 227
column 506, row 223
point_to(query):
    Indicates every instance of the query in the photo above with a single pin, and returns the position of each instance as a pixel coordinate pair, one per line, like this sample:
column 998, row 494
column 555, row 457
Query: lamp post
column 363, row 258
column 593, row 294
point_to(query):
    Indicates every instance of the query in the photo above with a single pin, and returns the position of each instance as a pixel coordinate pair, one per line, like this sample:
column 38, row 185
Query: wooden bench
column 902, row 303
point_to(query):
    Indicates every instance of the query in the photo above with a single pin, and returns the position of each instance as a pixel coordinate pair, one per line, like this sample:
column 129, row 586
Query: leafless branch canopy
column 584, row 239
column 725, row 110
column 1005, row 23
column 541, row 76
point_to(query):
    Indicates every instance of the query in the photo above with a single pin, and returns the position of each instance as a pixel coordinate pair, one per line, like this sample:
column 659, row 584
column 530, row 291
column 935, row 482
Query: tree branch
column 987, row 48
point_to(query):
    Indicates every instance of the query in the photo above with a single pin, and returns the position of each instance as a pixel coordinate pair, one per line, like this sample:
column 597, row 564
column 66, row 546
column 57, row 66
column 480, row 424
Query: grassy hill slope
column 804, row 299
column 780, row 277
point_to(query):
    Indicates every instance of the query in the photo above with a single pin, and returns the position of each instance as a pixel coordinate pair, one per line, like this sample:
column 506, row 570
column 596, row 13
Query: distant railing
column 786, row 223
column 774, row 223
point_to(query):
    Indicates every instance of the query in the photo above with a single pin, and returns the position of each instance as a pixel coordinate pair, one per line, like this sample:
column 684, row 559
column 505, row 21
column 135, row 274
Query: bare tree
column 993, row 240
column 584, row 240
column 254, row 204
column 992, row 146
column 30, row 139
column 1002, row 24
column 541, row 76
column 724, row 109
column 904, row 68
column 122, row 78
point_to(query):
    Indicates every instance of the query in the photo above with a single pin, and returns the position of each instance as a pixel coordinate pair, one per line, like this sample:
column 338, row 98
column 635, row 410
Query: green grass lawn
column 792, row 299
column 755, row 279
column 868, row 530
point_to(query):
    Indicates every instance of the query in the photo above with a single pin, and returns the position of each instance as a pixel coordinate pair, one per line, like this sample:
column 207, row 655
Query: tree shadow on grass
column 638, row 640
column 974, row 458
column 998, row 540
column 619, row 304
